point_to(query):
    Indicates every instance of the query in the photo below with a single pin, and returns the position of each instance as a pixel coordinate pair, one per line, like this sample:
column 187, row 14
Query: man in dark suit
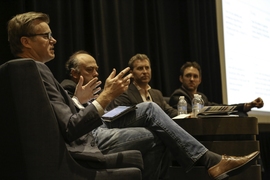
column 139, row 89
column 30, row 37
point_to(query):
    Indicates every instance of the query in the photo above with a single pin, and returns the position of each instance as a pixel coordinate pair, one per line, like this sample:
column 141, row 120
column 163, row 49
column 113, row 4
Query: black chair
column 32, row 146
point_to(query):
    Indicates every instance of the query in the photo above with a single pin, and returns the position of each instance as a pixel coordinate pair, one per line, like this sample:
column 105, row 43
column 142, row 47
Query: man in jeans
column 30, row 36
column 155, row 154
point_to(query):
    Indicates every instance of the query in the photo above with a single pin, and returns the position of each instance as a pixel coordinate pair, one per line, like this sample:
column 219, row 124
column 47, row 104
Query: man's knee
column 114, row 140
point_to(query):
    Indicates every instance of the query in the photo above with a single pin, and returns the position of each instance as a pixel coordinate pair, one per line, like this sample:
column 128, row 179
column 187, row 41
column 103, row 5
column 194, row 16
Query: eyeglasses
column 46, row 35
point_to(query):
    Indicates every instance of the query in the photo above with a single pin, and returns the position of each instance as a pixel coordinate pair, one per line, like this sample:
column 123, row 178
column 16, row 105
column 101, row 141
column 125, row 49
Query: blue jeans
column 184, row 148
column 156, row 156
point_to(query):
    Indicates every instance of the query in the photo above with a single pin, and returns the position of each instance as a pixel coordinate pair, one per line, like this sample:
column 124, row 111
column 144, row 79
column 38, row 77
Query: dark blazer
column 75, row 126
column 132, row 97
column 72, row 124
column 69, row 86
column 182, row 92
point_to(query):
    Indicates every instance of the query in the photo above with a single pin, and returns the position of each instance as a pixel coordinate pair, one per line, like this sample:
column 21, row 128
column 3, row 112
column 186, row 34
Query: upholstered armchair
column 32, row 146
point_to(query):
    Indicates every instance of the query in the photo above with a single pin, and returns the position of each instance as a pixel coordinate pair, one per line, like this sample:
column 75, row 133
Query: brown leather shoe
column 231, row 165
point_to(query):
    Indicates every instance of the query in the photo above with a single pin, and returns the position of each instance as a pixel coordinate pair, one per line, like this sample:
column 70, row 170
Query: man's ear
column 130, row 71
column 25, row 42
column 200, row 80
column 180, row 78
column 74, row 74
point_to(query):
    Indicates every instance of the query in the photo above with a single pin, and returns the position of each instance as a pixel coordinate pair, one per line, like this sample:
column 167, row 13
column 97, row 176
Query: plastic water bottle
column 197, row 104
column 182, row 105
column 202, row 104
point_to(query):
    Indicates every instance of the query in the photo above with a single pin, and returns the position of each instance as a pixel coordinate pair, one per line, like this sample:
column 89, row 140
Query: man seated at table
column 190, row 77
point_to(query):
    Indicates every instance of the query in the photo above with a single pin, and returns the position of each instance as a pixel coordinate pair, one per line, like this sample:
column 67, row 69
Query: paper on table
column 181, row 116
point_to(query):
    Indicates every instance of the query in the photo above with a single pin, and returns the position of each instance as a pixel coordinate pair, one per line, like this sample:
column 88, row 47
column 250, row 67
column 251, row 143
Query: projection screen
column 244, row 44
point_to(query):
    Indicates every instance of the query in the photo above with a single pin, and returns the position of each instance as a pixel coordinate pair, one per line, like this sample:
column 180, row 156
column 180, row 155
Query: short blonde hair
column 22, row 25
column 137, row 57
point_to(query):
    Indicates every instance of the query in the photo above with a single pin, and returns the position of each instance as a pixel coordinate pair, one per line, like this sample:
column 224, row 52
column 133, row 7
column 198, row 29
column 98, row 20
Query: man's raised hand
column 88, row 91
column 114, row 86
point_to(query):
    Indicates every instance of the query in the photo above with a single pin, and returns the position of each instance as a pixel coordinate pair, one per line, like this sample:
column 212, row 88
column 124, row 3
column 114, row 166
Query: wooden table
column 232, row 136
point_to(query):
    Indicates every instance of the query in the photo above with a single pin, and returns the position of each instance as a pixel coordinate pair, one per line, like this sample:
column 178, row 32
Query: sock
column 209, row 159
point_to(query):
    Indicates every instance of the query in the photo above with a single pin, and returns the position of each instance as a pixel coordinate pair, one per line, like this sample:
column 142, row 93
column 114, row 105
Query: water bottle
column 197, row 104
column 202, row 104
column 182, row 105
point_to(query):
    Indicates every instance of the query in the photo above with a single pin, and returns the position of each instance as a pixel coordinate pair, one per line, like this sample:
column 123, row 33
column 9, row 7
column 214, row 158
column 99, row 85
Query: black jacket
column 132, row 97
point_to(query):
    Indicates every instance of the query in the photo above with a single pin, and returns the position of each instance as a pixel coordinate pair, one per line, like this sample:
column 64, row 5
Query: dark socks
column 209, row 159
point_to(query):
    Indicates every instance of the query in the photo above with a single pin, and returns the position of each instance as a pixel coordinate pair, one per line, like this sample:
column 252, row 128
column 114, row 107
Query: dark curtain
column 170, row 32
